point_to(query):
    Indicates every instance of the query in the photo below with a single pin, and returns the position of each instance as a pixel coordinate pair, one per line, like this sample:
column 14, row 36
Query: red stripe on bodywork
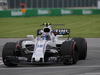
column 44, row 47
column 37, row 38
column 35, row 47
column 17, row 45
column 53, row 38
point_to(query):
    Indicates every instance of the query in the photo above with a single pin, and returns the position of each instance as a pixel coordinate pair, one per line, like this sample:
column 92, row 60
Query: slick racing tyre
column 69, row 48
column 82, row 45
column 8, row 50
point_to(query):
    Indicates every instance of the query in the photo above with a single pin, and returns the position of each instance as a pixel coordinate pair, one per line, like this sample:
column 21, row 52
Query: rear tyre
column 8, row 50
column 69, row 48
column 82, row 45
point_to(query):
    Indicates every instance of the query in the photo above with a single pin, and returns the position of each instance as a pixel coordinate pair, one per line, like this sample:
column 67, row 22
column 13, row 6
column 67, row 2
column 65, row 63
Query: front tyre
column 82, row 45
column 69, row 48
column 8, row 50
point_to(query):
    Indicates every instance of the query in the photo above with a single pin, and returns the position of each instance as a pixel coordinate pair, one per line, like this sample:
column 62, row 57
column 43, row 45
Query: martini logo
column 66, row 11
column 16, row 13
column 61, row 30
column 87, row 12
column 41, row 12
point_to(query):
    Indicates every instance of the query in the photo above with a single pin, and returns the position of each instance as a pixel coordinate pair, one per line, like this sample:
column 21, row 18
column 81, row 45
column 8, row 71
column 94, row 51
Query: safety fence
column 15, row 4
column 47, row 12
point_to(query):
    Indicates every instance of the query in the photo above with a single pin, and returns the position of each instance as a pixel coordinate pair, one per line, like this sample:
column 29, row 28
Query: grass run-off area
column 87, row 26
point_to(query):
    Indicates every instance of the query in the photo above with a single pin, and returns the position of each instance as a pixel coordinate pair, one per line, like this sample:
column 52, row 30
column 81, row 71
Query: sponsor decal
column 60, row 33
column 41, row 12
column 61, row 30
column 66, row 11
column 87, row 12
column 40, row 46
column 27, row 41
column 19, row 12
column 16, row 13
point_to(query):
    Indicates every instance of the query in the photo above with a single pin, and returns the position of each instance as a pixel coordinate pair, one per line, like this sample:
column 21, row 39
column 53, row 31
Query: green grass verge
column 81, row 25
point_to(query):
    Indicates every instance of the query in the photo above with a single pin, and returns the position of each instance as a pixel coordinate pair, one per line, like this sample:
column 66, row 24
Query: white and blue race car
column 45, row 48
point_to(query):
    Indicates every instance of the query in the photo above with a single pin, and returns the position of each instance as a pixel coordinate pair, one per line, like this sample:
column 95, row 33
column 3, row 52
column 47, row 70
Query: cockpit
column 45, row 36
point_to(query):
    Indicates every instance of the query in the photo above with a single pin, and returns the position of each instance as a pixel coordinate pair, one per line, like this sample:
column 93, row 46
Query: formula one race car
column 45, row 48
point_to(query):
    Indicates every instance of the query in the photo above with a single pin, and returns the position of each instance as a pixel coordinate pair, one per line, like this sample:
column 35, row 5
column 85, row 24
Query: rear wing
column 56, row 31
column 61, row 31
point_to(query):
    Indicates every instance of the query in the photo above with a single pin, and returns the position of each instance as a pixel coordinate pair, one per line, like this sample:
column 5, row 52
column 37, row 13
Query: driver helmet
column 45, row 36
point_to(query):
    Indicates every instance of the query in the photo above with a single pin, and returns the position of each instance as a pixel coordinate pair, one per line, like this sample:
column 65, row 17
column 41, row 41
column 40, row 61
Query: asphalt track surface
column 90, row 66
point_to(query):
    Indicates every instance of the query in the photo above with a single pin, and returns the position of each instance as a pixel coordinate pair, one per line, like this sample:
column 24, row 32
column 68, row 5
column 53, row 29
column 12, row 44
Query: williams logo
column 87, row 12
column 66, row 11
column 42, row 12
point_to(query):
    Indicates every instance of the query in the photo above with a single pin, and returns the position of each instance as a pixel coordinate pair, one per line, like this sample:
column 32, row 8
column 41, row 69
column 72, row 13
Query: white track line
column 90, row 74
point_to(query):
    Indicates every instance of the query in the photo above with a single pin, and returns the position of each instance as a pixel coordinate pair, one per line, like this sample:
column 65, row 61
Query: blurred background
column 18, row 16
column 16, row 4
